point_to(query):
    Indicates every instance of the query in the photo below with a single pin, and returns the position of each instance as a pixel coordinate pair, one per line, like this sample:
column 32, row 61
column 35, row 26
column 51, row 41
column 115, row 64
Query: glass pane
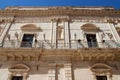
column 101, row 77
column 17, row 78
column 27, row 40
column 91, row 40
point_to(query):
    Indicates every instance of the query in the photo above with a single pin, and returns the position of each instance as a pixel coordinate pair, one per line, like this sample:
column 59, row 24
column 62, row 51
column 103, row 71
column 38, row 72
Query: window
column 17, row 77
column 18, row 72
column 102, row 71
column 91, row 31
column 27, row 40
column 101, row 77
column 91, row 40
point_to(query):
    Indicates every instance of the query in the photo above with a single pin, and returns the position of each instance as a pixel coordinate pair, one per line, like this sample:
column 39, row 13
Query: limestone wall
column 71, row 31
column 75, row 71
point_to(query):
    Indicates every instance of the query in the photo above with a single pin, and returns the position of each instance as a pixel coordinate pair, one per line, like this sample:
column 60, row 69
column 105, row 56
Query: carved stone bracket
column 60, row 19
column 85, row 54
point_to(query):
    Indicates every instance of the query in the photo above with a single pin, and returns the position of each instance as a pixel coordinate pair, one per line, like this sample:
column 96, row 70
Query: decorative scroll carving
column 103, row 35
column 110, row 35
column 113, row 20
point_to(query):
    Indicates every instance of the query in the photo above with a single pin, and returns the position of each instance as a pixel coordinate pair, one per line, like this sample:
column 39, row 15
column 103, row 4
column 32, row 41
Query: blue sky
column 113, row 3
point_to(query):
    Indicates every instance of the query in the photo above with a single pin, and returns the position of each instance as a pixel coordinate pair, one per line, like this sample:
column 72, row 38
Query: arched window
column 29, row 32
column 18, row 72
column 101, row 71
column 90, row 31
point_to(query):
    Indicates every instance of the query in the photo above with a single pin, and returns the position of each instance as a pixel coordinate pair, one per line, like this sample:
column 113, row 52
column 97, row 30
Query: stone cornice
column 61, row 11
column 35, row 54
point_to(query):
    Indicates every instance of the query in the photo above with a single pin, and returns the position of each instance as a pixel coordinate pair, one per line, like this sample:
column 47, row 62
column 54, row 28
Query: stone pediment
column 100, row 67
column 31, row 28
column 90, row 28
column 19, row 67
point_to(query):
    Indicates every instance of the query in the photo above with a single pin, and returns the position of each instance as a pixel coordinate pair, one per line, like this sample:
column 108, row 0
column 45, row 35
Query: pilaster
column 53, row 36
column 68, row 71
column 67, row 34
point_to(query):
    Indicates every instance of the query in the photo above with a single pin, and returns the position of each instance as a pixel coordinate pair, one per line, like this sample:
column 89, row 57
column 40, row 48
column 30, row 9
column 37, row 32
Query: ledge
column 36, row 54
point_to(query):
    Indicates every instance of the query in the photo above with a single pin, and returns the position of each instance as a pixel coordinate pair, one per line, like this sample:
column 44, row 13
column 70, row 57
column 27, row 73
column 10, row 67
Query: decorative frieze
column 61, row 11
column 61, row 55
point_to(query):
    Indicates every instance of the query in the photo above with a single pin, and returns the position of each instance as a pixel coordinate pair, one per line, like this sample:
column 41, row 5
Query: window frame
column 14, row 71
column 102, row 70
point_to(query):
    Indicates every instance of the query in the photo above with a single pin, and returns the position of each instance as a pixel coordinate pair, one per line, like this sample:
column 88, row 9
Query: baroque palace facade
column 59, row 43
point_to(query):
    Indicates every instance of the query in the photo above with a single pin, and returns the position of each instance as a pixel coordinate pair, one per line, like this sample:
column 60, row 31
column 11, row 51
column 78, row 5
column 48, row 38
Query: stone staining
column 103, row 35
column 118, row 30
column 0, row 28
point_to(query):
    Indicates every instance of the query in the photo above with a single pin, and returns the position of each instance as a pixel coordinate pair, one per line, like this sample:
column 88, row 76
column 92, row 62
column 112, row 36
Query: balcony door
column 91, row 40
column 17, row 77
column 27, row 40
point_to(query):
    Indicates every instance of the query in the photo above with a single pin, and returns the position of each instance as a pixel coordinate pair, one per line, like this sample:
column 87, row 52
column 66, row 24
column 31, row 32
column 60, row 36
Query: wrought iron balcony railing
column 48, row 45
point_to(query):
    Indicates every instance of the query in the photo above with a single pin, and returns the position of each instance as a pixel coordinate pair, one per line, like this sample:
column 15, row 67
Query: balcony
column 46, row 44
column 59, row 55
column 45, row 51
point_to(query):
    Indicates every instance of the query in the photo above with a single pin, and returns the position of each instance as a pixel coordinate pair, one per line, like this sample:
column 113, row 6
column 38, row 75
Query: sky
column 113, row 3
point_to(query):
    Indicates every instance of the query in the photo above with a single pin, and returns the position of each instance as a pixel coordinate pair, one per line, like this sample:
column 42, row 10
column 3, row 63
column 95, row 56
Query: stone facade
column 59, row 43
